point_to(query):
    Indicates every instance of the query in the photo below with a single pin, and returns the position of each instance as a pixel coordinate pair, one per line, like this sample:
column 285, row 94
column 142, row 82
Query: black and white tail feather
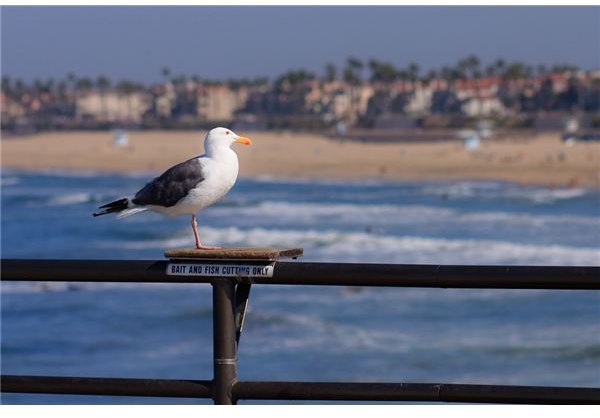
column 122, row 208
column 164, row 191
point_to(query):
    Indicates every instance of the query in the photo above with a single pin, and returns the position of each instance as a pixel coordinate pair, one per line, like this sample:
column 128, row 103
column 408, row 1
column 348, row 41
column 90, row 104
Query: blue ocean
column 517, row 337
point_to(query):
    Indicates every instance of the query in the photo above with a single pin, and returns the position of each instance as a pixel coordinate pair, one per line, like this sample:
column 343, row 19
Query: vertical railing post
column 224, row 341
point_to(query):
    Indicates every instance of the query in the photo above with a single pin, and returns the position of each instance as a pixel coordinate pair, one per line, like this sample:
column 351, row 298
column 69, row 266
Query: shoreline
column 542, row 159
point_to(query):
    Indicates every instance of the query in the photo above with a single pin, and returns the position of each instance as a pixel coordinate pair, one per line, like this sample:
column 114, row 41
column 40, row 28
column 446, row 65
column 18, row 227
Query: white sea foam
column 313, row 332
column 551, row 195
column 393, row 214
column 341, row 211
column 313, row 181
column 495, row 190
column 70, row 199
column 48, row 287
column 332, row 245
column 9, row 181
column 60, row 172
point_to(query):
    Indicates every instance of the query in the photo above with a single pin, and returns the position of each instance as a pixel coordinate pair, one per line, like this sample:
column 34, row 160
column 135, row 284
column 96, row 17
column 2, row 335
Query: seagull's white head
column 218, row 138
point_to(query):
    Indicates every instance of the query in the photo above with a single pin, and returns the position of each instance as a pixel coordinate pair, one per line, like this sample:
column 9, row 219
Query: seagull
column 190, row 186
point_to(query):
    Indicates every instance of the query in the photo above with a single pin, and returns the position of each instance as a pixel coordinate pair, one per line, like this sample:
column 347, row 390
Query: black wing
column 171, row 186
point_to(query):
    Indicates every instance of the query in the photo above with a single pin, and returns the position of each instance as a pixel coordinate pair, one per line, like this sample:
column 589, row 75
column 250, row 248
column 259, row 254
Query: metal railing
column 230, row 296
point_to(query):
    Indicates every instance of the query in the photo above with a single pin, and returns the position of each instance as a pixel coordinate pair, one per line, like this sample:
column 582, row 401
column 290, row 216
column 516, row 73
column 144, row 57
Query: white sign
column 219, row 270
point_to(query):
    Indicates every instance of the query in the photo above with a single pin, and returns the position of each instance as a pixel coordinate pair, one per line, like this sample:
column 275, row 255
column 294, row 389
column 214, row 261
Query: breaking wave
column 492, row 190
column 332, row 245
column 388, row 213
column 9, row 181
column 71, row 199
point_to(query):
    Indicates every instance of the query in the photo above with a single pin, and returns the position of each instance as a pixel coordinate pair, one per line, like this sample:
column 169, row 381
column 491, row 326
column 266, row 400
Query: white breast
column 220, row 176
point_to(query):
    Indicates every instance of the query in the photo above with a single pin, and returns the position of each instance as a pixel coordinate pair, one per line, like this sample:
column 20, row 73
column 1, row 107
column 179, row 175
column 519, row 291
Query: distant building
column 113, row 106
column 420, row 102
column 10, row 108
column 483, row 106
column 164, row 99
column 219, row 102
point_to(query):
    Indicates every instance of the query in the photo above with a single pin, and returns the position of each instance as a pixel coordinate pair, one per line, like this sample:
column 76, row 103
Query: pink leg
column 199, row 245
column 196, row 236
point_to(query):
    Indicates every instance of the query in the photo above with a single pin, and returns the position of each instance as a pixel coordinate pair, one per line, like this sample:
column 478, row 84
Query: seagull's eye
column 227, row 133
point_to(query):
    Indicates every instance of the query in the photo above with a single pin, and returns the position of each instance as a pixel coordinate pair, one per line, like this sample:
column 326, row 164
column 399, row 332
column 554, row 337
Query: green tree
column 413, row 73
column 103, row 83
column 382, row 71
column 500, row 66
column 449, row 74
column 166, row 73
column 564, row 68
column 19, row 89
column 83, row 83
column 469, row 66
column 330, row 72
column 180, row 80
column 7, row 86
column 429, row 77
column 541, row 69
column 72, row 79
column 355, row 63
column 352, row 71
column 260, row 81
column 490, row 70
column 514, row 71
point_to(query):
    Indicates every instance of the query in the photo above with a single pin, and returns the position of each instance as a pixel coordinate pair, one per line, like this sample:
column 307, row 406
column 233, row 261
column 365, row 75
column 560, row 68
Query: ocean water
column 521, row 337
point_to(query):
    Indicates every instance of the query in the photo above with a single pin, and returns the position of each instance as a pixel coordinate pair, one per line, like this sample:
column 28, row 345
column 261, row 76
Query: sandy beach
column 540, row 159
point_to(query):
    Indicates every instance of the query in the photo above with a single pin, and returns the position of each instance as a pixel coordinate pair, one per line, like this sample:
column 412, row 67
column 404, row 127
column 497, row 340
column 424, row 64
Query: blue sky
column 221, row 42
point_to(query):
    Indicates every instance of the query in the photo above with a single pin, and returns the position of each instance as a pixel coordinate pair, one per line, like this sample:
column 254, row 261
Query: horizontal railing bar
column 415, row 392
column 330, row 274
column 106, row 386
column 327, row 391
column 447, row 276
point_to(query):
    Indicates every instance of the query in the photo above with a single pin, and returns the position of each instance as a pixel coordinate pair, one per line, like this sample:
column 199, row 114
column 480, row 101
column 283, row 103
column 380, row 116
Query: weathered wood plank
column 236, row 253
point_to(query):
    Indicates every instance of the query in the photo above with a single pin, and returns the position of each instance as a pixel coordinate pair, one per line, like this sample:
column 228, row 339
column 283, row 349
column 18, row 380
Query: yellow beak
column 243, row 140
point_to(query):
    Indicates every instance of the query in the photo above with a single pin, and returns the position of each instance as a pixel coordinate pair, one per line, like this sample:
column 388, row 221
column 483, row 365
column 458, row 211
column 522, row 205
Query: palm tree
column 127, row 88
column 382, row 71
column 413, row 74
column 515, row 71
column 38, row 85
column 180, row 80
column 500, row 66
column 19, row 89
column 84, row 83
column 564, row 68
column 103, row 84
column 355, row 63
column 50, row 85
column 541, row 69
column 260, row 81
column 432, row 75
column 6, row 86
column 352, row 72
column 350, row 77
column 166, row 73
column 72, row 80
column 330, row 72
column 449, row 74
column 470, row 67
